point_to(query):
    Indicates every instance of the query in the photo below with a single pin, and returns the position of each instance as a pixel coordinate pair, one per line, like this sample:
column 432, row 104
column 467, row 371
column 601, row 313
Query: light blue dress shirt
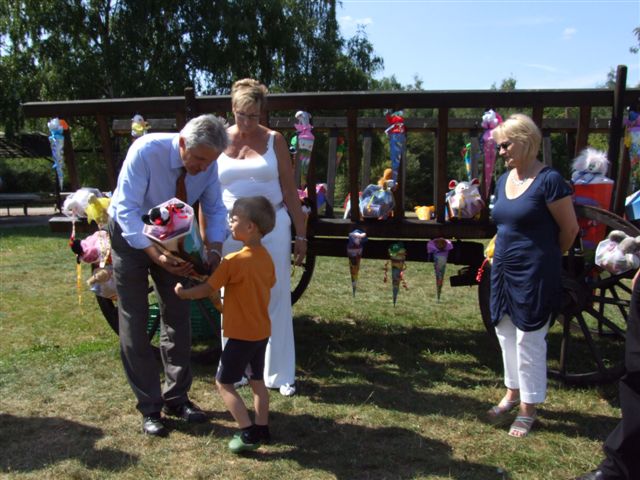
column 148, row 178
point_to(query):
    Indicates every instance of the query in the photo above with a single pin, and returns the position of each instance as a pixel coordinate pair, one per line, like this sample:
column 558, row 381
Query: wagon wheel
column 586, row 343
column 301, row 275
column 109, row 309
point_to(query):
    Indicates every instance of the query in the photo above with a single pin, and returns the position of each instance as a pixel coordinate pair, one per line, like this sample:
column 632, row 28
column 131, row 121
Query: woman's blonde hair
column 248, row 92
column 521, row 129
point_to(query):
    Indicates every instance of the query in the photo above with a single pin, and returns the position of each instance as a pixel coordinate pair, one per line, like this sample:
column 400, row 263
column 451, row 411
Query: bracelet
column 216, row 251
column 300, row 237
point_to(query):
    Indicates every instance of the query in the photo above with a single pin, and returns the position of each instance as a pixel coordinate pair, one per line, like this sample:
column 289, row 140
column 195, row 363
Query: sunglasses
column 247, row 116
column 504, row 145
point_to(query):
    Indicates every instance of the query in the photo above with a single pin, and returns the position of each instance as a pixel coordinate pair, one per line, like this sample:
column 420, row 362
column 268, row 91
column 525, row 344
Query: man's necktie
column 181, row 188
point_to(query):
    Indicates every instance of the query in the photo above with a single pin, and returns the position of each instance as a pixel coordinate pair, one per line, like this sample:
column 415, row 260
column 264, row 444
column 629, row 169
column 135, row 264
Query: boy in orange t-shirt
column 247, row 277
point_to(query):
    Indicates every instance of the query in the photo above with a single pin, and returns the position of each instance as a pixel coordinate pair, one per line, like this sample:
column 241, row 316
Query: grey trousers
column 132, row 268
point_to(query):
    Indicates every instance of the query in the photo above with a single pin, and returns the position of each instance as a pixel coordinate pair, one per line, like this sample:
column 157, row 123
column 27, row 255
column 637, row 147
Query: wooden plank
column 546, row 149
column 107, row 152
column 582, row 136
column 367, row 139
column 122, row 126
column 331, row 168
column 337, row 100
column 440, row 165
column 354, row 161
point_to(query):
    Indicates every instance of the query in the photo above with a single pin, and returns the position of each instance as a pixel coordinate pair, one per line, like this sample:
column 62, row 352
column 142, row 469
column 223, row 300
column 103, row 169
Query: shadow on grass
column 355, row 452
column 52, row 440
column 391, row 367
column 41, row 231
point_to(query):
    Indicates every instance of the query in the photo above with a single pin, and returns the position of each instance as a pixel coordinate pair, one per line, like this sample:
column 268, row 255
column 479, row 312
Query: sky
column 473, row 44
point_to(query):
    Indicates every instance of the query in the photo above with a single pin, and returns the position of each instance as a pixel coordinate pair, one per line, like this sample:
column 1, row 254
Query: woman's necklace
column 517, row 182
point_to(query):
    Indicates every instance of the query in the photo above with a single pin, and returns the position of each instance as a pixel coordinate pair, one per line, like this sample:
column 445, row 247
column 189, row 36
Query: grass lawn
column 384, row 392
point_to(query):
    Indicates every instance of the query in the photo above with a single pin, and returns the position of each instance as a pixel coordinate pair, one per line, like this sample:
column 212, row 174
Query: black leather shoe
column 152, row 425
column 594, row 475
column 188, row 411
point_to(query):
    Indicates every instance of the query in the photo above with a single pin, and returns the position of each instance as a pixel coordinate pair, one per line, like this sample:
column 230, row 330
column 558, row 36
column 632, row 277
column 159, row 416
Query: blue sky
column 466, row 44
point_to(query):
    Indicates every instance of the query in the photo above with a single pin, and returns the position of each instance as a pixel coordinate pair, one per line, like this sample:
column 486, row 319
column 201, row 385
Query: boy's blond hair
column 258, row 210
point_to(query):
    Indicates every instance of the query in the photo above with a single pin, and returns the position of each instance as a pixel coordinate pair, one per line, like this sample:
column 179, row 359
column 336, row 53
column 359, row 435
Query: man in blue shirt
column 149, row 176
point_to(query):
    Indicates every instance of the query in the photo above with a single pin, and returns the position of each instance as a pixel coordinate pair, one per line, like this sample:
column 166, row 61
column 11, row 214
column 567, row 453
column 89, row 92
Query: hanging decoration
column 438, row 249
column 397, row 140
column 466, row 156
column 357, row 239
column 57, row 127
column 139, row 126
column 397, row 257
column 490, row 120
column 632, row 142
column 304, row 139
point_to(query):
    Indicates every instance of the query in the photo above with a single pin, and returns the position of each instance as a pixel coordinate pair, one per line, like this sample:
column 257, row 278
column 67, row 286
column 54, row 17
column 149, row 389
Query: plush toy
column 103, row 283
column 138, row 126
column 490, row 120
column 618, row 253
column 464, row 199
column 75, row 205
column 590, row 167
column 426, row 212
column 170, row 219
column 96, row 248
column 632, row 142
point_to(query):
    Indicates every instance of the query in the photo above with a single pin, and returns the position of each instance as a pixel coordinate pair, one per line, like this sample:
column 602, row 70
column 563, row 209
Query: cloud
column 348, row 22
column 569, row 32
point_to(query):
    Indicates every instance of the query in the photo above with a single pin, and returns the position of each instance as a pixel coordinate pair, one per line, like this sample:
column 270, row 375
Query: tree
column 78, row 49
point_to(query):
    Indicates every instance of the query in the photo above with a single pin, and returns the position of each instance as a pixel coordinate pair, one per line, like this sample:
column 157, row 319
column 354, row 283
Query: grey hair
column 206, row 130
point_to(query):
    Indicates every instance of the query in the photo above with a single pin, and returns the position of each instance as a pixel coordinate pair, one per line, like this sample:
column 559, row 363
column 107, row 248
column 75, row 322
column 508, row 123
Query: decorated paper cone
column 397, row 255
column 439, row 248
column 354, row 251
column 397, row 140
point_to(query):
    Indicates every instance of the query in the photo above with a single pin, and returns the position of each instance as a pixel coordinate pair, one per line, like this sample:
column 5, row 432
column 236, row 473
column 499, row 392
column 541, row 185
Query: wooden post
column 190, row 107
column 107, row 151
column 615, row 138
column 331, row 170
column 367, row 138
column 582, row 137
column 440, row 171
column 354, row 162
column 70, row 161
column 546, row 149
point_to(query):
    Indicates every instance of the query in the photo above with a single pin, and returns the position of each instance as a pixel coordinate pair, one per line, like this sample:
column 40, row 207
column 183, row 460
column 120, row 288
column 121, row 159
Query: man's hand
column 171, row 263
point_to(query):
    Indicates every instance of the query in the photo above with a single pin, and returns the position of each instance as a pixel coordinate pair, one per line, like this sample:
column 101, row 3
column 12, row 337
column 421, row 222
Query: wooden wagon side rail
column 348, row 105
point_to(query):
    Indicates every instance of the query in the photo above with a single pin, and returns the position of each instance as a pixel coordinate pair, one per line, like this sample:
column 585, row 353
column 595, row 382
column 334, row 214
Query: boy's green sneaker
column 238, row 444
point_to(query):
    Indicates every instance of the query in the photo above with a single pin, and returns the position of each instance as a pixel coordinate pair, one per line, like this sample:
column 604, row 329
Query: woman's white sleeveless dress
column 259, row 176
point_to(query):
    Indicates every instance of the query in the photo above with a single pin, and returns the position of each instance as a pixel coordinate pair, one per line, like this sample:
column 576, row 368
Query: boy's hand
column 179, row 289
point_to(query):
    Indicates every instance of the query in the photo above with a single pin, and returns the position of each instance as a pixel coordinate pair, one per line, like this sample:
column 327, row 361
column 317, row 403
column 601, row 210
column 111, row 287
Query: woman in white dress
column 257, row 162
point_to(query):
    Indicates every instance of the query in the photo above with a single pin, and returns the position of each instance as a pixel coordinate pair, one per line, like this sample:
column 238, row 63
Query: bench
column 24, row 200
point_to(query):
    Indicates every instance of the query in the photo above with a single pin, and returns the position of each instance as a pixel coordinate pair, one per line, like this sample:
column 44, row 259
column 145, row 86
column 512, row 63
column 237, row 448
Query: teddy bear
column 618, row 253
column 102, row 282
column 590, row 167
column 464, row 199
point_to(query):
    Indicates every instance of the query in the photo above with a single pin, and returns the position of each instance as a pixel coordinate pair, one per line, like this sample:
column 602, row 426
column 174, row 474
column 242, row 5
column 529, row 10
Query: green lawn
column 383, row 391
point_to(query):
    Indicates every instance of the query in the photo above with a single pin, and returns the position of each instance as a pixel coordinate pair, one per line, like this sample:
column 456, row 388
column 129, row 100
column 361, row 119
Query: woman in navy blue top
column 536, row 223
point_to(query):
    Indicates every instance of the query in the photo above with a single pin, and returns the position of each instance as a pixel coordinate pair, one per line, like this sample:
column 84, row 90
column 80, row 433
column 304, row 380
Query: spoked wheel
column 586, row 342
column 109, row 309
column 301, row 276
column 586, row 346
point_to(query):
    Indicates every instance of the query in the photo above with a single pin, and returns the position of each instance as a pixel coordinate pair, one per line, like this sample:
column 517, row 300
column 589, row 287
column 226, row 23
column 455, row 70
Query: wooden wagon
column 588, row 347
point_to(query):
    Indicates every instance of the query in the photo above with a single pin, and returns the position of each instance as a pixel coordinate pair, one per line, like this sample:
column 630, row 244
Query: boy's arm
column 194, row 293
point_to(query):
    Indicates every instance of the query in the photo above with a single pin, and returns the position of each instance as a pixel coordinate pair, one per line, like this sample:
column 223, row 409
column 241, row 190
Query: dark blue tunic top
column 527, row 261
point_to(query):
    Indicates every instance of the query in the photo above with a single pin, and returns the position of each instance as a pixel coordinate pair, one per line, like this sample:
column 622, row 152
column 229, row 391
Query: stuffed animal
column 464, row 199
column 138, row 126
column 96, row 248
column 618, row 253
column 590, row 167
column 425, row 212
column 75, row 204
column 103, row 283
